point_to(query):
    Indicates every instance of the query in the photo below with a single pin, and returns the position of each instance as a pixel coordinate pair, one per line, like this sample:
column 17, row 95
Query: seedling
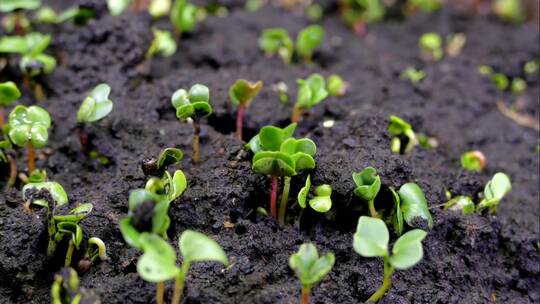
column 431, row 47
column 531, row 66
column 509, row 10
column 158, row 263
column 455, row 43
column 461, row 203
column 336, row 86
column 9, row 93
column 518, row 85
column 184, row 16
column 167, row 157
column 473, row 161
column 95, row 249
column 500, row 81
column 278, row 41
column 171, row 187
column 310, row 268
column 241, row 94
column 33, row 60
column 278, row 154
column 404, row 139
column 66, row 289
column 494, row 192
column 413, row 75
column 410, row 205
column 162, row 44
column 95, row 106
column 428, row 6
column 311, row 91
column 358, row 13
column 117, row 7
column 28, row 126
column 371, row 240
column 321, row 202
column 18, row 7
column 193, row 105
column 368, row 184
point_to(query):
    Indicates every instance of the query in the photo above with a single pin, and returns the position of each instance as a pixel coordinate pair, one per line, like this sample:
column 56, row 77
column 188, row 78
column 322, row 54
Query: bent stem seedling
column 311, row 91
column 310, row 268
column 195, row 105
column 371, row 240
column 241, row 94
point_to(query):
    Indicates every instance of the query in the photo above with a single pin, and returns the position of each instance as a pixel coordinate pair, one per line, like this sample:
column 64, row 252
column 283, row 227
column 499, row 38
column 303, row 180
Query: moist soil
column 468, row 259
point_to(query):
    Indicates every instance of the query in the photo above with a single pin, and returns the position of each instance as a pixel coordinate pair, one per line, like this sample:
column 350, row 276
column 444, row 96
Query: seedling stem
column 372, row 211
column 240, row 121
column 1, row 117
column 160, row 292
column 273, row 196
column 69, row 253
column 284, row 200
column 12, row 171
column 31, row 158
column 297, row 112
column 306, row 291
column 179, row 283
column 388, row 271
column 196, row 135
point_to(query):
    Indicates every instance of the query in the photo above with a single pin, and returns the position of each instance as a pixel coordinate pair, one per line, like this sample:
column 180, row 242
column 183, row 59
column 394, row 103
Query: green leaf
column 397, row 214
column 194, row 104
column 29, row 124
column 460, row 203
column 494, row 191
column 161, row 220
column 184, row 16
column 130, row 233
column 277, row 41
column 73, row 229
column 336, row 86
column 270, row 138
column 473, row 161
column 322, row 202
column 407, row 250
column 163, row 44
column 308, row 266
column 117, row 7
column 177, row 185
column 76, row 214
column 38, row 136
column 414, row 206
column 9, row 93
column 139, row 196
column 56, row 190
column 371, row 237
column 96, row 248
column 13, row 44
column 368, row 184
column 304, row 145
column 311, row 91
column 159, row 8
column 273, row 163
column 22, row 115
column 97, row 105
column 242, row 91
column 197, row 247
column 413, row 75
column 7, row 6
column 158, row 263
column 199, row 93
column 302, row 195
column 308, row 39
column 169, row 157
column 432, row 44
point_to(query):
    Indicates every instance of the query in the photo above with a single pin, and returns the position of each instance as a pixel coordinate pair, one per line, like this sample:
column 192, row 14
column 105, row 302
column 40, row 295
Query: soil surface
column 468, row 259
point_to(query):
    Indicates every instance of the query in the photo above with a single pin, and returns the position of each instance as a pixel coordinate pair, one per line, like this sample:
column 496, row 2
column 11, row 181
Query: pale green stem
column 69, row 253
column 388, row 271
column 284, row 200
column 179, row 283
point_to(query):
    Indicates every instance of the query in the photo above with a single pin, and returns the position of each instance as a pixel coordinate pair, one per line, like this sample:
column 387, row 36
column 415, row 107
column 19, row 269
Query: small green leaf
column 9, row 93
column 309, row 39
column 371, row 237
column 277, row 41
column 242, row 91
column 311, row 91
column 407, row 250
column 500, row 81
column 169, row 157
column 194, row 104
column 413, row 75
column 130, row 233
column 494, row 191
column 197, row 247
column 29, row 124
column 473, row 161
column 13, row 44
column 414, row 206
column 159, row 8
column 431, row 43
column 308, row 266
column 368, row 184
column 302, row 195
column 117, row 7
column 7, row 6
column 73, row 229
column 177, row 185
column 96, row 248
column 158, row 263
column 184, row 16
column 96, row 105
column 56, row 190
column 76, row 214
column 273, row 163
column 322, row 202
column 163, row 44
column 397, row 214
column 336, row 86
column 460, row 203
column 399, row 127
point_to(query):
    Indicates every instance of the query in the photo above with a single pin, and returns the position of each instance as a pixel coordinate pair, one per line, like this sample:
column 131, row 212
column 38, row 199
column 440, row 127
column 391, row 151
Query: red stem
column 240, row 121
column 1, row 116
column 273, row 196
column 305, row 296
column 31, row 159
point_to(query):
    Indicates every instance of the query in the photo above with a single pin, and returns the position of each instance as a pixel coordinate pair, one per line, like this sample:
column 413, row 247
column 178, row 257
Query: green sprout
column 371, row 240
column 158, row 263
column 322, row 202
column 159, row 8
column 428, row 6
column 404, row 139
column 410, row 206
column 94, row 107
column 460, row 203
column 509, row 10
column 79, row 15
column 171, row 187
column 357, row 13
column 28, row 126
column 500, row 81
column 33, row 60
column 336, row 86
column 531, row 66
column 278, row 41
column 518, row 85
column 277, row 153
column 163, row 44
column 66, row 290
column 413, row 75
column 311, row 91
column 167, row 157
column 431, row 46
column 368, row 184
column 9, row 93
column 455, row 43
column 18, row 7
column 473, row 161
column 193, row 105
column 310, row 268
column 95, row 249
column 184, row 16
column 241, row 94
column 117, row 7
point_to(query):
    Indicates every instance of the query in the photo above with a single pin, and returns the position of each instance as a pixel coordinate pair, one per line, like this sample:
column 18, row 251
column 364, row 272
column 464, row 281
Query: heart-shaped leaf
column 371, row 237
column 96, row 105
column 308, row 266
column 9, row 93
column 302, row 195
column 322, row 201
column 242, row 91
column 407, row 250
column 158, row 263
column 197, row 247
column 273, row 163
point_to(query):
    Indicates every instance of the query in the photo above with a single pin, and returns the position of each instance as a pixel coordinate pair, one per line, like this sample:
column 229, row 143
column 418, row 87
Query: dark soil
column 468, row 259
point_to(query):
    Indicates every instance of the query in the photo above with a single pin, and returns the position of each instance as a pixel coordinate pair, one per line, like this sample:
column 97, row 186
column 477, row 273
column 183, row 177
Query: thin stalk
column 372, row 210
column 296, row 113
column 388, row 271
column 196, row 135
column 18, row 28
column 284, row 200
column 12, row 171
column 273, row 196
column 240, row 121
column 306, row 291
column 69, row 253
column 160, row 292
column 26, row 81
column 38, row 92
column 179, row 283
column 83, row 140
column 1, row 117
column 31, row 158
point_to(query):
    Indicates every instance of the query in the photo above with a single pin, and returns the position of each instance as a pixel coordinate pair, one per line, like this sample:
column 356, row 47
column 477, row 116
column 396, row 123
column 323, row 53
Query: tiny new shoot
column 184, row 17
column 308, row 40
column 9, row 93
column 241, row 94
column 278, row 41
column 162, row 44
column 336, row 86
column 371, row 240
column 310, row 268
column 494, row 191
column 167, row 157
column 28, row 127
column 415, row 76
column 95, row 249
column 94, row 107
column 404, row 139
column 410, row 206
column 321, row 202
column 66, row 289
column 431, row 46
column 17, row 7
column 368, row 184
column 358, row 13
column 193, row 105
column 473, row 161
column 311, row 91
